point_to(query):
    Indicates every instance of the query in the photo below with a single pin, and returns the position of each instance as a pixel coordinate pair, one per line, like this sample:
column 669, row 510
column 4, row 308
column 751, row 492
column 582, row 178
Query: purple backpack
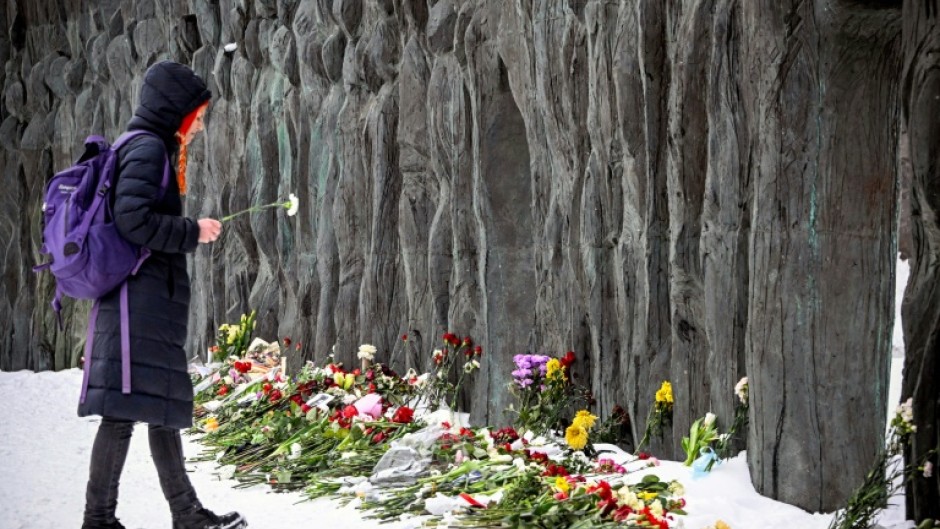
column 88, row 257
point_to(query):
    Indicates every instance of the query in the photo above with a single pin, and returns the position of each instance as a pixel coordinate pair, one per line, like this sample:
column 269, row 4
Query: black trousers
column 107, row 461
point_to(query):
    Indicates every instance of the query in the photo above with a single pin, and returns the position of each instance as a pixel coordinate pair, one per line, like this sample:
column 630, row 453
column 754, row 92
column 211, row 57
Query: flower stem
column 250, row 210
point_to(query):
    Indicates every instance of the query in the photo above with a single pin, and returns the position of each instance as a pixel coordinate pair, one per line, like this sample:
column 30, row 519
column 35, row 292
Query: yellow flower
column 553, row 370
column 576, row 437
column 339, row 379
column 646, row 496
column 230, row 331
column 562, row 484
column 211, row 424
column 584, row 419
column 664, row 394
column 350, row 380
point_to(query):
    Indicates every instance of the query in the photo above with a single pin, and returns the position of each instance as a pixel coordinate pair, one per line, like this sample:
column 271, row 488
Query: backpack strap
column 131, row 134
column 125, row 343
column 89, row 344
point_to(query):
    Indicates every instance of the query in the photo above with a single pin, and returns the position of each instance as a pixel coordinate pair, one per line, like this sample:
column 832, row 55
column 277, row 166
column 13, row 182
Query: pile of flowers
column 329, row 429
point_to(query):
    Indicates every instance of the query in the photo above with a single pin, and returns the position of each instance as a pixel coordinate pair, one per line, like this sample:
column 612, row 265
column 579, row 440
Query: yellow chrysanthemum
column 721, row 525
column 664, row 394
column 553, row 370
column 562, row 484
column 584, row 419
column 211, row 424
column 576, row 437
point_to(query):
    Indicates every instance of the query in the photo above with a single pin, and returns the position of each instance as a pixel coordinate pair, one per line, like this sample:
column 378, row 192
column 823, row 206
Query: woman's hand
column 209, row 230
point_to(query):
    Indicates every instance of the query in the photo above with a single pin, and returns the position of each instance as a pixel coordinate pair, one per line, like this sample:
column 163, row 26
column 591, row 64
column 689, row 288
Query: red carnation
column 223, row 390
column 478, row 350
column 275, row 395
column 567, row 360
column 622, row 513
column 606, row 506
column 266, row 388
column 538, row 457
column 286, row 341
column 304, row 408
column 602, row 489
column 242, row 367
column 404, row 337
column 403, row 415
column 350, row 411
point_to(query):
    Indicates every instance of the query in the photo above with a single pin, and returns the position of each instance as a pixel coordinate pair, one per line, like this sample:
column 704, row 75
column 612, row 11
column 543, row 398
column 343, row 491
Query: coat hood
column 169, row 92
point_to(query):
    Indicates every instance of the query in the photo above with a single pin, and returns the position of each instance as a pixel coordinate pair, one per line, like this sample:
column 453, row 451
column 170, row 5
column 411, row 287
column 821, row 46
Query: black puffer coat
column 158, row 296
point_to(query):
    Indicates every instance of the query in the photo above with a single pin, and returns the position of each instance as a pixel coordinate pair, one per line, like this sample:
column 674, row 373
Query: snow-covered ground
column 44, row 451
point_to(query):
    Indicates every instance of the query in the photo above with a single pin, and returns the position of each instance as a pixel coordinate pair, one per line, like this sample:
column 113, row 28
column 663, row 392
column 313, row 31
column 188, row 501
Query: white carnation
column 367, row 352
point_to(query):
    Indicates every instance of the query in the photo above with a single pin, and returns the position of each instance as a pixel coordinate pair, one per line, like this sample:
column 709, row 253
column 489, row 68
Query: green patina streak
column 320, row 160
column 285, row 156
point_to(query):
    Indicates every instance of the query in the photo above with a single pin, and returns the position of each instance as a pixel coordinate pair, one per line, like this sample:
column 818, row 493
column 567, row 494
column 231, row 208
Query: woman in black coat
column 148, row 212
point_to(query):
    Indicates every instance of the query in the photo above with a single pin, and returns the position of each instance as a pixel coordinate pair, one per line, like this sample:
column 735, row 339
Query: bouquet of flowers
column 544, row 390
column 701, row 435
column 233, row 339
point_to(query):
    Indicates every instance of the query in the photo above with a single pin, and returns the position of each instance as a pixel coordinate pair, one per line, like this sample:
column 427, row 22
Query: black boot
column 113, row 525
column 202, row 518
